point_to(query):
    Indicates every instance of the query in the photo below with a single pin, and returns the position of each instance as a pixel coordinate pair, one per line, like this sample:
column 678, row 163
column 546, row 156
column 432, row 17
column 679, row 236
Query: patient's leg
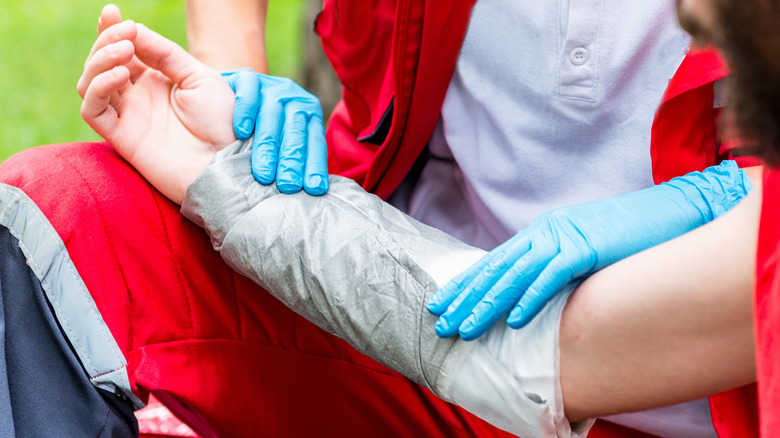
column 219, row 351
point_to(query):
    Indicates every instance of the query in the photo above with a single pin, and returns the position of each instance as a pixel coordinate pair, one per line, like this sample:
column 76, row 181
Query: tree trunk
column 318, row 76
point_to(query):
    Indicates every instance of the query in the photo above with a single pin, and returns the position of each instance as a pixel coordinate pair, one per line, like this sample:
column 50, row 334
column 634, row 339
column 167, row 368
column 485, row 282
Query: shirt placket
column 578, row 64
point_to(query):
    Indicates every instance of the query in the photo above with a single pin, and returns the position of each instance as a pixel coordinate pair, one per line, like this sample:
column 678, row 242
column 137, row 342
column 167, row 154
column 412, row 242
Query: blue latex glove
column 289, row 135
column 566, row 244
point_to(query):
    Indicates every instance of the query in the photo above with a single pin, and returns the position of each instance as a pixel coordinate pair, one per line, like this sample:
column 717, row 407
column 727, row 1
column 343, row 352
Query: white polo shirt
column 551, row 104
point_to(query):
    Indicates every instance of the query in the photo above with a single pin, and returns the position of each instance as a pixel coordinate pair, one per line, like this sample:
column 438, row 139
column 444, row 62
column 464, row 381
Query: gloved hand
column 289, row 142
column 566, row 244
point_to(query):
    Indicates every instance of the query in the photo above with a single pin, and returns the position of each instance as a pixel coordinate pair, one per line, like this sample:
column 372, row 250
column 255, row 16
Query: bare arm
column 670, row 324
column 228, row 34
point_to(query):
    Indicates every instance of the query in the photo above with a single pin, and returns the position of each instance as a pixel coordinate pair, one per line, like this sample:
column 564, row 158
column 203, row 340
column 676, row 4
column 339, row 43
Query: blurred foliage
column 43, row 45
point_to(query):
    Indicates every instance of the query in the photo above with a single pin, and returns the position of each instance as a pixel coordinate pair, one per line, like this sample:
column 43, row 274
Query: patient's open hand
column 161, row 109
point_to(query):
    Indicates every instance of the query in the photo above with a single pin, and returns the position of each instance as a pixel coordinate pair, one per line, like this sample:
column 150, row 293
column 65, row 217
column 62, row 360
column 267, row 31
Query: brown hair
column 748, row 33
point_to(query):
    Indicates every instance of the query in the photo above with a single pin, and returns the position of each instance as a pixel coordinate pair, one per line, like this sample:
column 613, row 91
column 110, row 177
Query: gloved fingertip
column 442, row 328
column 435, row 303
column 517, row 319
column 288, row 189
column 316, row 185
column 264, row 176
column 289, row 184
column 467, row 330
column 244, row 128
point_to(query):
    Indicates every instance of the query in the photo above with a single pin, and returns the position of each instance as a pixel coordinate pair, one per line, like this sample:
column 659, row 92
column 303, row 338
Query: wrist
column 172, row 172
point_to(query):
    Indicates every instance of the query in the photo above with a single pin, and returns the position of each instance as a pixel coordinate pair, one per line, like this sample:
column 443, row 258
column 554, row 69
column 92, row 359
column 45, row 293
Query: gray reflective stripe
column 73, row 305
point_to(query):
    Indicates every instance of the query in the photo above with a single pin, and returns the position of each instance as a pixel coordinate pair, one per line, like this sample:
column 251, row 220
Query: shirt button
column 579, row 56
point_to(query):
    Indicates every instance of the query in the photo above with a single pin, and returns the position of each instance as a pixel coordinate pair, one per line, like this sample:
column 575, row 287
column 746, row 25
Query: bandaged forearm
column 362, row 270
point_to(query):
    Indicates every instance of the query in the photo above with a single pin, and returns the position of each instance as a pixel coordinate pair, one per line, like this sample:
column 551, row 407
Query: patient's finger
column 162, row 54
column 123, row 31
column 109, row 16
column 108, row 57
column 96, row 109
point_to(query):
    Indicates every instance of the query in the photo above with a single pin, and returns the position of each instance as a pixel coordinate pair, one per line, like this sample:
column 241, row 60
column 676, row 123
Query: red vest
column 395, row 60
column 688, row 134
column 767, row 305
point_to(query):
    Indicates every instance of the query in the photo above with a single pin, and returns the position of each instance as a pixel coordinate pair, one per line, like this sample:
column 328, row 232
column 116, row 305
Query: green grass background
column 43, row 45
